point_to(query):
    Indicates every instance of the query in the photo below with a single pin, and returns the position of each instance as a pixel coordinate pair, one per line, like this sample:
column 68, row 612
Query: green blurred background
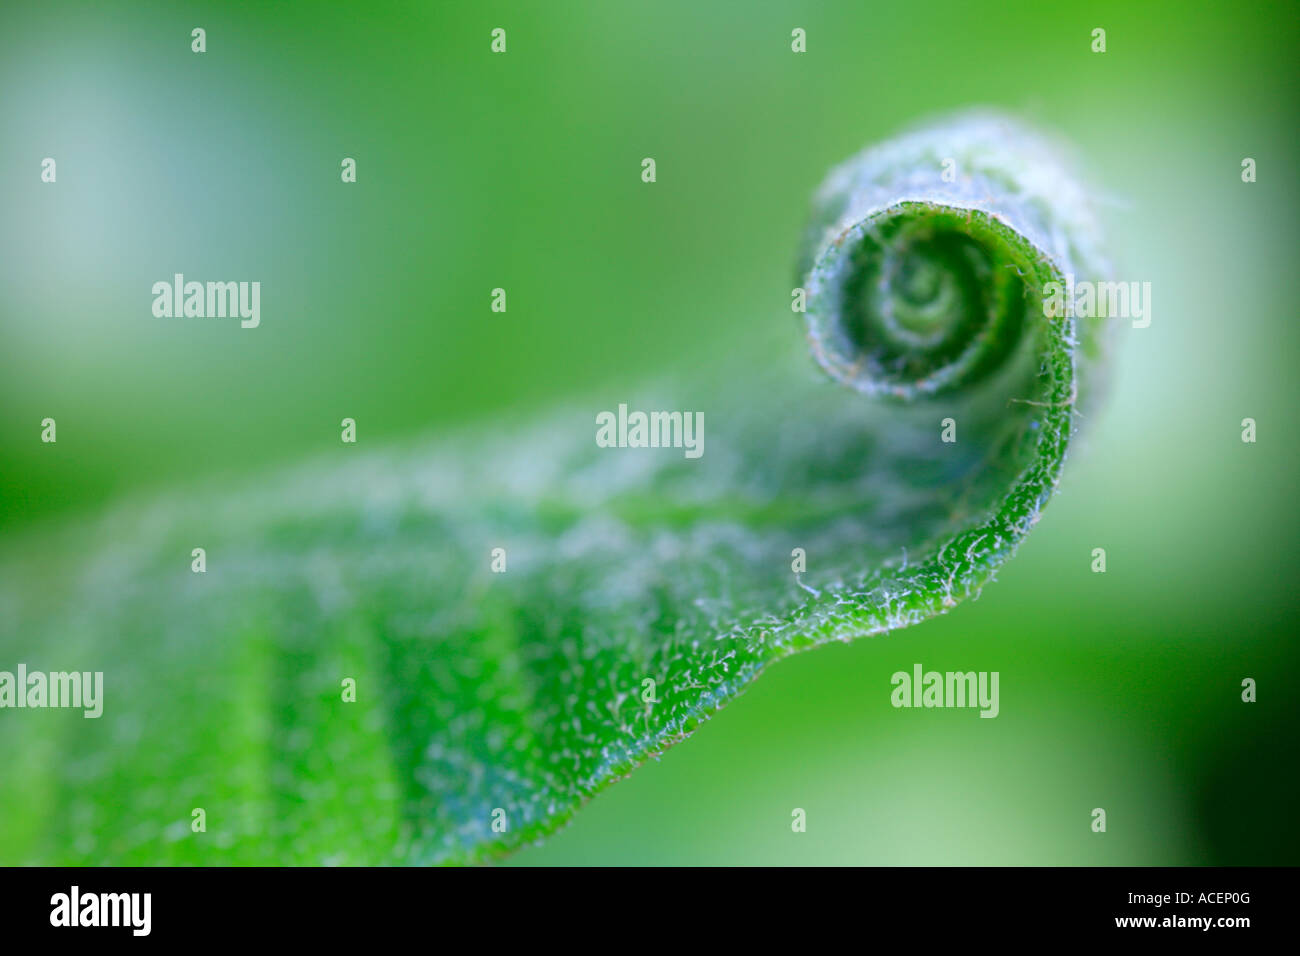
column 522, row 171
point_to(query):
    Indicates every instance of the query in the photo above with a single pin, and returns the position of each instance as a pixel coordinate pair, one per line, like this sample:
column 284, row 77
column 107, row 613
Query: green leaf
column 526, row 691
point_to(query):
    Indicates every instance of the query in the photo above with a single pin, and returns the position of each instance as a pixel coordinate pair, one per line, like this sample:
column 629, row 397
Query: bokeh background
column 1118, row 690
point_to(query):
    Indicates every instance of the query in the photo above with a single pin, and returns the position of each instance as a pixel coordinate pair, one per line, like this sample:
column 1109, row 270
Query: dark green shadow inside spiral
column 923, row 299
